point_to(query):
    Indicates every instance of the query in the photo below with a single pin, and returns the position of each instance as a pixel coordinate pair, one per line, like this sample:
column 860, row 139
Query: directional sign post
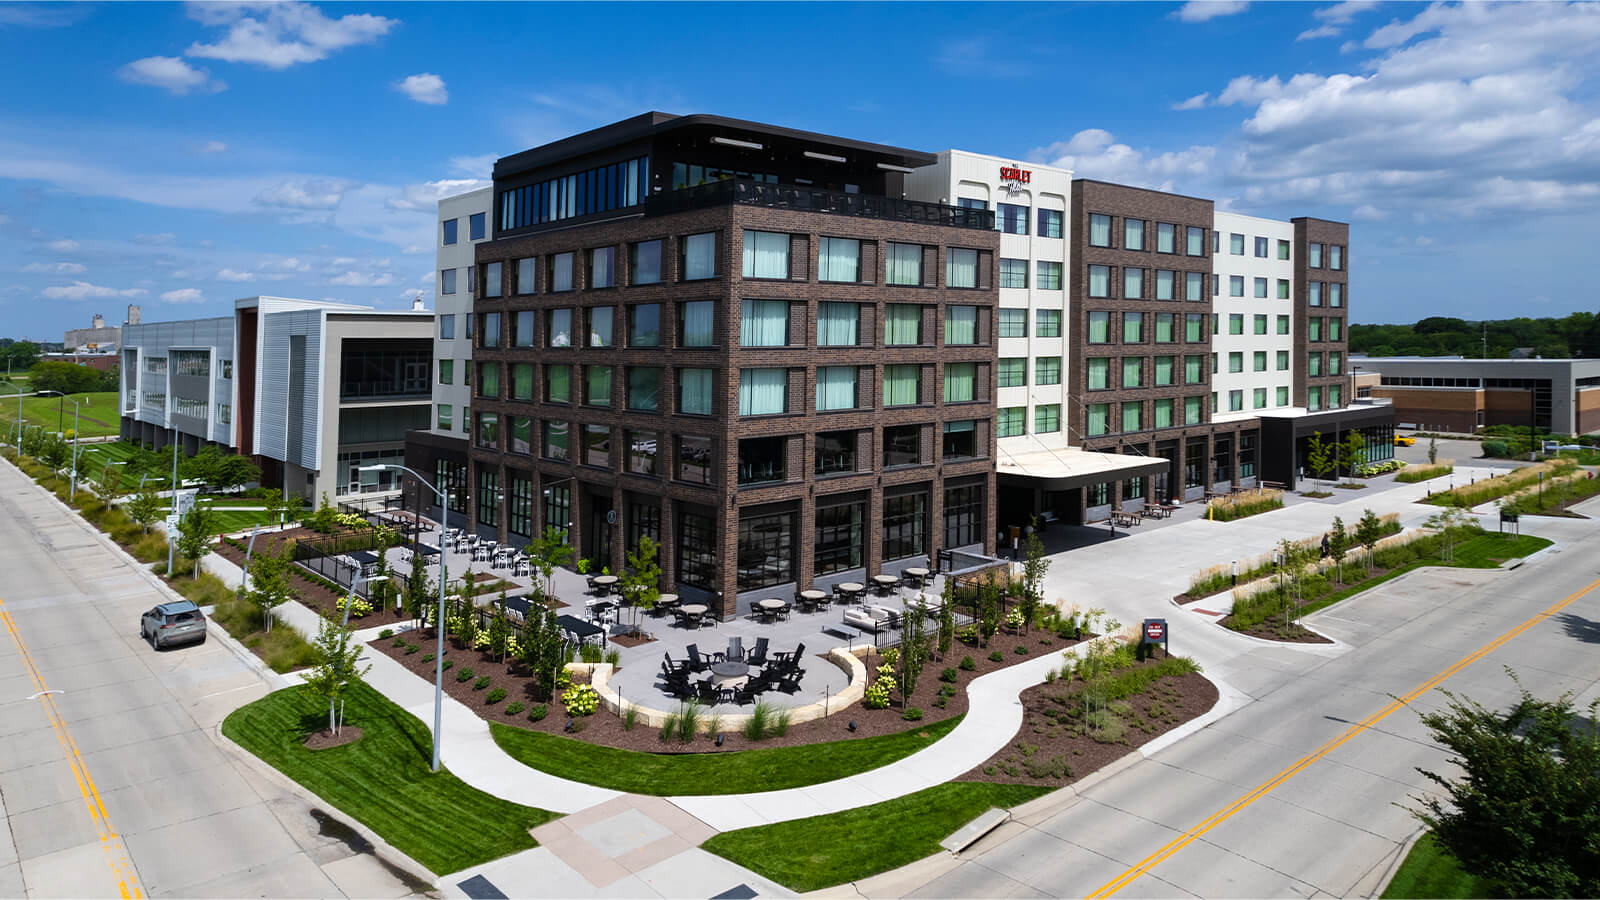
column 186, row 500
column 1154, row 631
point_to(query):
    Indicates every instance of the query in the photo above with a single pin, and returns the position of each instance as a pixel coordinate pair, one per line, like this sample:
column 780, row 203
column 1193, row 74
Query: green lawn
column 93, row 458
column 98, row 415
column 1430, row 872
column 735, row 772
column 383, row 779
column 822, row 851
column 1487, row 551
column 231, row 520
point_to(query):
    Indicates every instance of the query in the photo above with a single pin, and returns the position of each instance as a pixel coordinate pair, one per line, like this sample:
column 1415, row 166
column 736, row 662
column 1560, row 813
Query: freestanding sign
column 1154, row 631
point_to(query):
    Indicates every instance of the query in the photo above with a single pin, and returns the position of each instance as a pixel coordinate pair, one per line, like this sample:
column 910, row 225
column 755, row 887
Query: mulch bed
column 323, row 740
column 1058, row 755
column 314, row 595
column 605, row 728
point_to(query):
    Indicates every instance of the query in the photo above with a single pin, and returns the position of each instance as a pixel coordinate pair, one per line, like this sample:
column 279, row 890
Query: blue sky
column 181, row 156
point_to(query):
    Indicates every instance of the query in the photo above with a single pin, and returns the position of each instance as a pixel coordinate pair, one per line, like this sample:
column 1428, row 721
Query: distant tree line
column 1576, row 336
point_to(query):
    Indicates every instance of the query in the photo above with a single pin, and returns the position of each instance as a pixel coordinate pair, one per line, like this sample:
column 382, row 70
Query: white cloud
column 184, row 295
column 1195, row 102
column 287, row 264
column 83, row 290
column 425, row 197
column 1370, row 213
column 305, row 193
column 424, row 88
column 60, row 268
column 362, row 279
column 182, row 274
column 1335, row 17
column 414, row 249
column 165, row 237
column 235, row 275
column 212, row 147
column 172, row 74
column 280, row 35
column 1321, row 31
column 63, row 246
column 1205, row 10
column 1095, row 153
column 480, row 167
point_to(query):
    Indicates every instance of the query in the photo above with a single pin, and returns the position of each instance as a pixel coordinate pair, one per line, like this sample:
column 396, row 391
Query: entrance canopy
column 1064, row 468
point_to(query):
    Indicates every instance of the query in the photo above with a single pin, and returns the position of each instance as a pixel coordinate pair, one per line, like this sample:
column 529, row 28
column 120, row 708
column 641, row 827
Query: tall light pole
column 20, row 393
column 172, row 539
column 438, row 623
column 72, row 492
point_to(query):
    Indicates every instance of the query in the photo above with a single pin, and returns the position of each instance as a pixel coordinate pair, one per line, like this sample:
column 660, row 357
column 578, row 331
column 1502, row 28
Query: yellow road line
column 1222, row 815
column 116, row 852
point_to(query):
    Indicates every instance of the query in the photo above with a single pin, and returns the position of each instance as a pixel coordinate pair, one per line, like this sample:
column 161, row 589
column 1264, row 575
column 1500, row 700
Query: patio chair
column 709, row 617
column 698, row 663
column 758, row 656
column 744, row 693
column 708, row 692
column 786, row 659
column 735, row 649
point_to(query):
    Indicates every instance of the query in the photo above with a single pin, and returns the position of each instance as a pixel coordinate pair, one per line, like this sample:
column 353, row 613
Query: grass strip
column 822, row 851
column 1429, row 871
column 383, row 780
column 735, row 772
column 98, row 417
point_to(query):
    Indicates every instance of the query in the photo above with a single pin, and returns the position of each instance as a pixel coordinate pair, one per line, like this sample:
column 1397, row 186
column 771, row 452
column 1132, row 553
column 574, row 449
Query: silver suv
column 173, row 623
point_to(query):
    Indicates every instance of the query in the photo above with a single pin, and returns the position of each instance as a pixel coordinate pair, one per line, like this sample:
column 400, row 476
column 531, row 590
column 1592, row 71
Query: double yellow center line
column 116, row 852
column 1222, row 815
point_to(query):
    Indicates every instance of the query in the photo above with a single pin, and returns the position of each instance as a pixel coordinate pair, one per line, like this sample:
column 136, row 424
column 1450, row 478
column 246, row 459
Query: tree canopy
column 1575, row 336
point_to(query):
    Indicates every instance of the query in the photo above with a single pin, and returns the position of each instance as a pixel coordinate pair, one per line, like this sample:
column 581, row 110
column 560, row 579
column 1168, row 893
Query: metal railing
column 818, row 200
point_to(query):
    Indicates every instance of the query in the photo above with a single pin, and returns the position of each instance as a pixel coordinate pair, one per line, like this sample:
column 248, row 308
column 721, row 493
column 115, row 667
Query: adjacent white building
column 463, row 223
column 1254, row 301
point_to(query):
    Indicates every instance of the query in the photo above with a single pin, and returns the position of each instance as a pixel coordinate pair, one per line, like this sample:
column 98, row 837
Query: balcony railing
column 805, row 199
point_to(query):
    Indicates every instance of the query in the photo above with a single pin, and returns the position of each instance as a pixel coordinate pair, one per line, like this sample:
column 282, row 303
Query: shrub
column 759, row 723
column 1021, row 650
column 1244, row 503
column 412, row 648
column 386, row 634
column 780, row 722
column 940, row 701
column 514, row 707
column 427, row 657
column 494, row 696
column 669, row 726
column 481, row 683
column 876, row 697
column 997, row 656
column 1050, row 677
column 399, row 641
column 581, row 700
column 537, row 712
column 613, row 658
column 448, row 663
column 630, row 716
column 949, row 675
column 590, row 653
column 1414, row 474
column 687, row 721
column 464, row 675
column 912, row 714
column 968, row 664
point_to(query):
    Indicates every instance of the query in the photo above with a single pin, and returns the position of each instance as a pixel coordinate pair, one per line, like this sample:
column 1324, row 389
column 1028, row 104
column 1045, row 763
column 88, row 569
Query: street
column 116, row 783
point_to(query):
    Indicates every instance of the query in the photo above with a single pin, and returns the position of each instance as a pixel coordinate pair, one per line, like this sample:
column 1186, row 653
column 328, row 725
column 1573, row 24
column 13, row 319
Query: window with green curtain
column 1314, row 398
column 697, row 322
column 447, row 371
column 1260, row 361
column 521, row 434
column 522, row 381
column 1314, row 364
column 961, row 325
column 644, row 388
column 1335, row 363
column 1334, row 396
column 694, row 391
column 836, row 387
column 1132, row 417
column 836, row 324
column 1259, row 396
column 489, row 379
column 558, row 384
column 960, row 382
column 902, row 324
column 1194, row 369
column 1192, row 410
column 1047, row 418
column 960, row 268
column 1011, row 421
column 764, row 323
column 1236, row 323
column 1283, row 288
column 599, row 385
column 1049, row 322
column 839, row 259
column 1283, row 360
column 446, row 418
column 1099, row 419
column 1047, row 370
column 1194, row 327
column 1236, row 361
column 1132, row 371
column 1164, row 326
column 1099, row 373
column 1335, row 329
column 1013, row 372
column 766, row 254
column 1283, row 396
column 1163, row 414
column 1260, row 324
column 903, row 264
column 1314, row 329
column 763, row 392
column 1047, row 276
column 1132, row 327
column 1099, row 327
column 902, row 385
column 1013, row 323
column 1164, row 371
column 1283, row 324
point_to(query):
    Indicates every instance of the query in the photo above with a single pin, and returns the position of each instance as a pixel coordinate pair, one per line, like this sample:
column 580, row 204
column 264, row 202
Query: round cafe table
column 606, row 582
column 886, row 580
column 725, row 673
column 666, row 601
column 693, row 609
column 814, row 597
column 852, row 587
column 917, row 572
column 771, row 606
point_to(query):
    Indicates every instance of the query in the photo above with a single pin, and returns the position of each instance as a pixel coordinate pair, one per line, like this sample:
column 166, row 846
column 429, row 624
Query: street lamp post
column 20, row 393
column 72, row 492
column 172, row 539
column 438, row 624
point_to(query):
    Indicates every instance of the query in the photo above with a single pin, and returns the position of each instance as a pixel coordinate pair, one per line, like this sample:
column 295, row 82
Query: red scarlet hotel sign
column 1013, row 173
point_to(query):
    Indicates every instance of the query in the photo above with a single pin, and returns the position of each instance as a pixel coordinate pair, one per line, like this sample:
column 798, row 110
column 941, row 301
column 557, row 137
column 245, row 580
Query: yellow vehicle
column 1401, row 440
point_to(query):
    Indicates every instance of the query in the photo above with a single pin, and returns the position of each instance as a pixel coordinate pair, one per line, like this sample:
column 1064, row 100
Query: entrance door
column 599, row 531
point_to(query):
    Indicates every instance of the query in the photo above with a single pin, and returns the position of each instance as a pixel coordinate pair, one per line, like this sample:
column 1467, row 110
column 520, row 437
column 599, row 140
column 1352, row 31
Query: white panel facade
column 453, row 308
column 1254, row 257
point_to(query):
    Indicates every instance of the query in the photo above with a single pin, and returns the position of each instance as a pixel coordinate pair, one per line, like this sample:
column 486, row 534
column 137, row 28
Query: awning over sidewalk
column 1064, row 468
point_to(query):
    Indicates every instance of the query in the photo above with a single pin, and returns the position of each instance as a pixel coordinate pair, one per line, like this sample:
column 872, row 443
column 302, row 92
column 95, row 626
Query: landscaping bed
column 317, row 596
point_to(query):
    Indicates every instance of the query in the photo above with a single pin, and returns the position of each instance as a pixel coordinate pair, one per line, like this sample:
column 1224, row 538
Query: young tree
column 294, row 507
column 546, row 553
column 418, row 589
column 1338, row 546
column 1320, row 455
column 642, row 581
column 110, row 480
column 913, row 652
column 382, row 589
column 989, row 593
column 144, row 508
column 234, row 471
column 1448, row 522
column 549, row 653
column 499, row 629
column 270, row 585
column 1369, row 530
column 275, row 505
column 203, row 466
column 1433, row 451
column 1526, row 808
column 528, row 647
column 1353, row 452
column 1034, row 567
column 194, row 534
column 323, row 519
column 336, row 669
column 947, row 617
column 54, row 451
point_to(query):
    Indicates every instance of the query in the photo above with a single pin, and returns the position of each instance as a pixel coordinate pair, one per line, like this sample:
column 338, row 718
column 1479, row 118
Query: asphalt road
column 1301, row 791
column 117, row 783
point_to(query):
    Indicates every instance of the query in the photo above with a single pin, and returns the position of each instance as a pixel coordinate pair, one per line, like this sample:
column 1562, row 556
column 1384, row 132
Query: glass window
column 836, row 387
column 1314, row 364
column 1099, row 376
column 1099, row 327
column 698, row 545
column 490, row 332
column 1132, row 371
column 475, row 227
column 1050, row 223
column 1236, row 323
column 1335, row 294
column 1165, row 376
column 449, row 230
column 1099, row 281
column 489, row 379
column 644, row 325
column 836, row 324
column 1335, row 363
column 1194, row 287
column 446, row 417
column 488, row 429
column 902, row 325
column 763, row 392
column 960, row 382
column 1011, row 218
column 1259, row 361
column 1047, row 370
column 1132, row 328
column 839, row 259
column 1261, row 247
column 556, row 443
column 1013, row 273
column 597, row 446
column 1133, row 234
column 1283, row 396
column 1195, row 240
column 903, row 265
column 1335, row 329
column 960, row 325
column 1258, row 400
column 1099, row 230
column 960, row 440
column 1236, row 285
column 1047, row 418
column 602, row 267
column 963, row 516
column 695, row 319
column 1011, row 421
column 1335, row 257
column 1260, row 324
column 1132, row 283
column 1260, row 286
column 1236, row 244
column 561, row 272
column 905, row 526
column 1194, row 370
column 645, row 262
column 1132, row 417
column 766, row 254
column 1098, row 419
column 694, row 391
column 836, row 452
column 447, row 326
column 1049, row 323
column 642, row 453
column 1283, row 360
column 1314, row 329
column 840, row 539
column 1166, row 237
column 644, row 388
column 1314, row 296
column 601, row 332
column 1313, row 398
column 1314, row 256
column 1334, row 396
column 1013, row 323
column 558, row 384
column 1048, row 276
column 521, row 433
column 522, row 381
column 765, row 323
column 694, row 460
column 1013, row 372
column 1236, row 361
column 491, row 279
column 598, row 389
column 1163, row 414
column 902, row 445
column 1164, row 328
column 1164, row 284
column 1235, row 401
column 447, row 371
column 522, row 328
column 447, row 281
column 1193, row 412
column 699, row 256
column 1283, row 324
column 1283, row 288
column 960, row 271
column 902, row 385
column 1283, row 249
column 762, row 460
column 1194, row 327
column 558, row 327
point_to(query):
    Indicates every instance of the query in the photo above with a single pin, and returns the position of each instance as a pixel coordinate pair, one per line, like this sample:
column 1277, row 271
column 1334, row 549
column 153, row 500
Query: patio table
column 727, row 672
column 693, row 609
column 605, row 582
column 917, row 572
column 667, row 602
column 771, row 607
column 851, row 589
column 886, row 579
column 814, row 598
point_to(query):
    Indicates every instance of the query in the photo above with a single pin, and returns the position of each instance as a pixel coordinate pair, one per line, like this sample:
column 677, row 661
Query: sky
column 182, row 156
